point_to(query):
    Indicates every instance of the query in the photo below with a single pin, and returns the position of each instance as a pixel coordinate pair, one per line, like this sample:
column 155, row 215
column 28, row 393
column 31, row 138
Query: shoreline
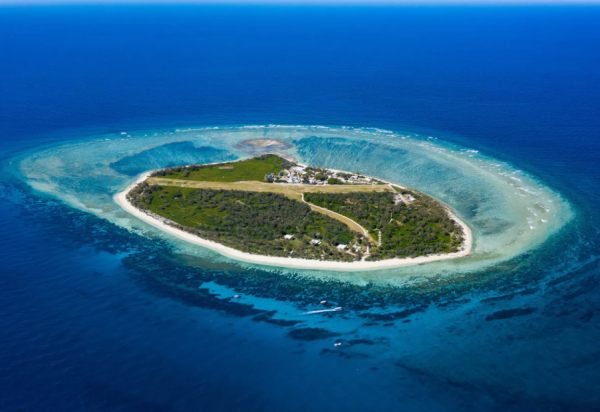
column 295, row 263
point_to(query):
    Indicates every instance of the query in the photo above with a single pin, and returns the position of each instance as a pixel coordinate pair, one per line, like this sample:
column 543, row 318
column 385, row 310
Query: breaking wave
column 509, row 210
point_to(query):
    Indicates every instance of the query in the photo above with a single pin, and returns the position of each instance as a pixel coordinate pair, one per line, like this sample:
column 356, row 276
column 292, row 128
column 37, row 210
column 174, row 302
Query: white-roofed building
column 288, row 237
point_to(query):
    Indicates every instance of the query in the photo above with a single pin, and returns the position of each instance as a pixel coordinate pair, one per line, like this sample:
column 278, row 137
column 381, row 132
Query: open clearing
column 249, row 169
column 286, row 189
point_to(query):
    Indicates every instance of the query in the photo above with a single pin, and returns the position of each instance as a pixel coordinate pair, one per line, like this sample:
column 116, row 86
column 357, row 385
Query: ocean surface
column 492, row 110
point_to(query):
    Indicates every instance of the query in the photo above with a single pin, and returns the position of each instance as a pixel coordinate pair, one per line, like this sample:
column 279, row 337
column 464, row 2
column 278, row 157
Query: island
column 275, row 211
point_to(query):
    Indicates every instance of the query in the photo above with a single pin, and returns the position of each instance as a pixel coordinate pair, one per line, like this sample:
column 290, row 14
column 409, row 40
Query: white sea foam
column 504, row 201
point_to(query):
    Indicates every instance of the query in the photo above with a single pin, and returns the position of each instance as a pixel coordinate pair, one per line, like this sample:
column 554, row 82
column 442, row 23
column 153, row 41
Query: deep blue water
column 83, row 329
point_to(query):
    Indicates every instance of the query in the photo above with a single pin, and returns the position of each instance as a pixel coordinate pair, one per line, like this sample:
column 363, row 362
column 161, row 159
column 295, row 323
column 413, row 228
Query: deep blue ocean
column 94, row 317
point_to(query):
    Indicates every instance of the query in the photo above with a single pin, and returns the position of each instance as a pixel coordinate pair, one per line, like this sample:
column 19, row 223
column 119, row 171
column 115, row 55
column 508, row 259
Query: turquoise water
column 510, row 211
column 494, row 111
column 517, row 222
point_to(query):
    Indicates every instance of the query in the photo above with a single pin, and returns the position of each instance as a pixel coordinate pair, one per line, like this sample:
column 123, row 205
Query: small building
column 342, row 247
column 288, row 237
column 315, row 242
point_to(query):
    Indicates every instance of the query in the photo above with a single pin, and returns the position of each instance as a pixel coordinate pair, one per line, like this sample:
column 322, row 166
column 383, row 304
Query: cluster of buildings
column 315, row 242
column 292, row 175
column 398, row 198
column 341, row 247
column 299, row 174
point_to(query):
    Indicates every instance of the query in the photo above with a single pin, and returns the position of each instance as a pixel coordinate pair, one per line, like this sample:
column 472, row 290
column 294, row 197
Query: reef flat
column 509, row 211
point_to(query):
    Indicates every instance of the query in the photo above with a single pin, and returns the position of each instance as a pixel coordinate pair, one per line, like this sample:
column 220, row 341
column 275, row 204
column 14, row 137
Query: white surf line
column 312, row 312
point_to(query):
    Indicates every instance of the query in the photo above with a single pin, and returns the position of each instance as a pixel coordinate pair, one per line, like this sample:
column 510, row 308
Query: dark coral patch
column 510, row 313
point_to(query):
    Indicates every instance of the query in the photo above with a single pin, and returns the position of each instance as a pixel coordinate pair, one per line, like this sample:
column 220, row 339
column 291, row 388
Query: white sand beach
column 121, row 199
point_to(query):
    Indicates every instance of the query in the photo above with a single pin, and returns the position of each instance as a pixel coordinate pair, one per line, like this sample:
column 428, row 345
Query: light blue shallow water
column 493, row 111
column 509, row 211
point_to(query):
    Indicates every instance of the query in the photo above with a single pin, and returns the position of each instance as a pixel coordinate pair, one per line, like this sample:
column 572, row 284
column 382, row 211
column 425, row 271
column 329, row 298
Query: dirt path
column 346, row 220
column 295, row 192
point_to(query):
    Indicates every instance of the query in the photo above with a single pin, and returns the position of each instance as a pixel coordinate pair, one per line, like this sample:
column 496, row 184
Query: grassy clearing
column 290, row 191
column 253, row 169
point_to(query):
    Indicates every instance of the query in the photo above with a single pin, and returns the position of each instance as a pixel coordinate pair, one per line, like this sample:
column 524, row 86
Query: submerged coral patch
column 509, row 211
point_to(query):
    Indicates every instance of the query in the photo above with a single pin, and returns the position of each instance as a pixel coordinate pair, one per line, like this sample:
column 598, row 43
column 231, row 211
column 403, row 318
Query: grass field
column 288, row 190
column 253, row 169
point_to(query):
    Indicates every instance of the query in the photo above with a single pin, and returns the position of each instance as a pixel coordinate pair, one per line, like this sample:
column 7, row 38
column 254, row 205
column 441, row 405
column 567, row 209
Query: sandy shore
column 121, row 199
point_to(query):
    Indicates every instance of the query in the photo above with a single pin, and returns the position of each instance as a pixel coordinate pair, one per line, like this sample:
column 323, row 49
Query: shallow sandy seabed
column 508, row 211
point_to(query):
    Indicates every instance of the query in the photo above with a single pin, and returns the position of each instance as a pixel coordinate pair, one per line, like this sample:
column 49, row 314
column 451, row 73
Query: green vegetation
column 252, row 222
column 408, row 228
column 246, row 205
column 254, row 169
